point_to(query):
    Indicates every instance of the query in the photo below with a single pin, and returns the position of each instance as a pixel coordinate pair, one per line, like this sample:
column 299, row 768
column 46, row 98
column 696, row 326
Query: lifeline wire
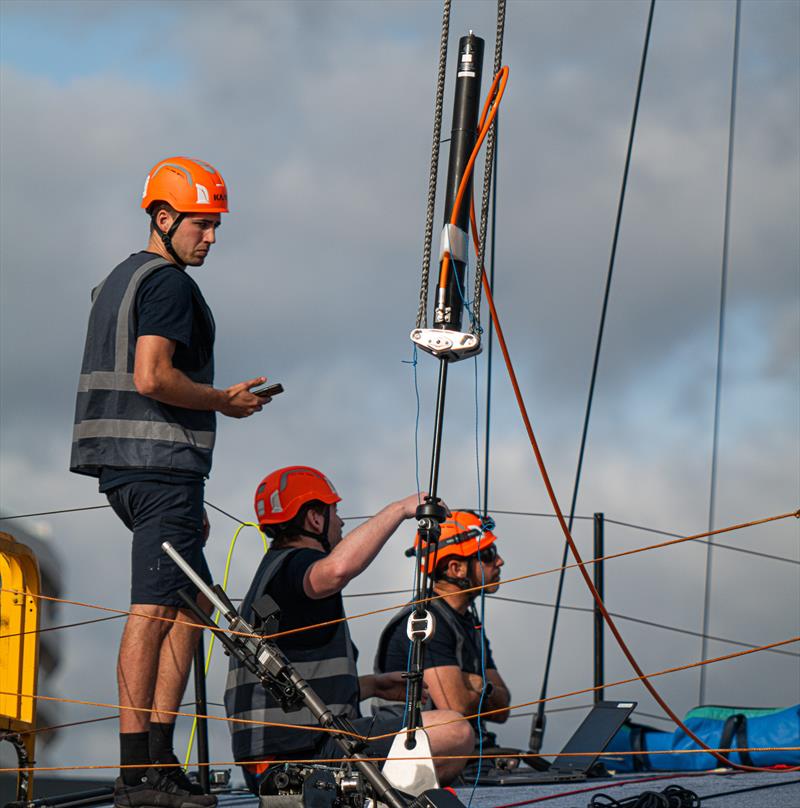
column 643, row 528
column 579, row 564
column 643, row 622
column 489, row 712
column 712, row 497
column 537, row 729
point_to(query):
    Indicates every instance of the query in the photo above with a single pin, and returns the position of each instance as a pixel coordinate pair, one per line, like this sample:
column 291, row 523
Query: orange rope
column 490, row 109
column 85, row 703
column 520, row 755
column 485, row 713
column 609, row 557
column 568, row 536
column 643, row 678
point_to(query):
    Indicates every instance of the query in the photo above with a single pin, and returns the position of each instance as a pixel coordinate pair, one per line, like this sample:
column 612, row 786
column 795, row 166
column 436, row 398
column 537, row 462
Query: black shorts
column 156, row 512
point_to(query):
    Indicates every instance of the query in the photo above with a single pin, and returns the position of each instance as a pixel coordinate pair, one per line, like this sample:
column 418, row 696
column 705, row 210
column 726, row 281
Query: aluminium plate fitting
column 446, row 344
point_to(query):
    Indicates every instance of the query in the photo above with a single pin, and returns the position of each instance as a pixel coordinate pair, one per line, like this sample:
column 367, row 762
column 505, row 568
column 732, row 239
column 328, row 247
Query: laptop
column 591, row 738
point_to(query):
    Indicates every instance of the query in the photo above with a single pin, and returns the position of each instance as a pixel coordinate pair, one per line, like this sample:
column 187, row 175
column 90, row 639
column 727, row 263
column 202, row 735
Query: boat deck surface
column 764, row 790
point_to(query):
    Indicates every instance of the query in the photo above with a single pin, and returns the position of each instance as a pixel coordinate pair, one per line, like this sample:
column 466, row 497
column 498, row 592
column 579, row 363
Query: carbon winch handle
column 224, row 608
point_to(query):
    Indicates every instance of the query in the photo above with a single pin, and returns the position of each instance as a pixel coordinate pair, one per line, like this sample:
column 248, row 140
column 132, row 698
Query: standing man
column 460, row 672
column 307, row 567
column 145, row 422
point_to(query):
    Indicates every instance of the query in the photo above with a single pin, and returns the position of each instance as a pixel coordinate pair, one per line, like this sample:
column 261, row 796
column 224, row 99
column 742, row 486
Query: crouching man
column 307, row 567
column 460, row 672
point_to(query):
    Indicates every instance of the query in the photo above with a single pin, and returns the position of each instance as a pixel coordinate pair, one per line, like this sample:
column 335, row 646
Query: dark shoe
column 156, row 790
column 178, row 775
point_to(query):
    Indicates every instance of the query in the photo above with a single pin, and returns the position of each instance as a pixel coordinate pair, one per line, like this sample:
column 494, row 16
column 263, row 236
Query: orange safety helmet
column 464, row 534
column 190, row 186
column 281, row 494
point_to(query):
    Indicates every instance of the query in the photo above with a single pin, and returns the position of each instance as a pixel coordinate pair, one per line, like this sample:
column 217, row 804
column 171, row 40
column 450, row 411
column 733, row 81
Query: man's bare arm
column 155, row 376
column 357, row 549
column 451, row 688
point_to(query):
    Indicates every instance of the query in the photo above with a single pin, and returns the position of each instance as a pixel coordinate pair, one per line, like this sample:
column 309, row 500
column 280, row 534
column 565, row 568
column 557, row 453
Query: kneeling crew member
column 467, row 558
column 307, row 567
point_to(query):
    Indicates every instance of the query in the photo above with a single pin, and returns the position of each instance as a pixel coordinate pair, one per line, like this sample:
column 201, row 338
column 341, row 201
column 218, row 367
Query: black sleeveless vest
column 116, row 426
column 329, row 669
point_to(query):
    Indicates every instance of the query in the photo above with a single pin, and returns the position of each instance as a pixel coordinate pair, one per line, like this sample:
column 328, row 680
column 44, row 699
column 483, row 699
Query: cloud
column 319, row 115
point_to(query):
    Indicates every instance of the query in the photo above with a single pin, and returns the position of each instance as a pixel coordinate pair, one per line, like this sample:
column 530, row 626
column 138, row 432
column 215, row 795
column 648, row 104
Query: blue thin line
column 477, row 436
column 413, row 363
column 483, row 677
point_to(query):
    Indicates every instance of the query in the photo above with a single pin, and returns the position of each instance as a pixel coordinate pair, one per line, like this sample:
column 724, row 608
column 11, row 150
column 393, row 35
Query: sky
column 319, row 116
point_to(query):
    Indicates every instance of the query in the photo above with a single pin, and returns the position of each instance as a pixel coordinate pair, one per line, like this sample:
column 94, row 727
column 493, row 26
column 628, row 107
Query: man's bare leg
column 137, row 670
column 449, row 734
column 174, row 664
column 138, row 664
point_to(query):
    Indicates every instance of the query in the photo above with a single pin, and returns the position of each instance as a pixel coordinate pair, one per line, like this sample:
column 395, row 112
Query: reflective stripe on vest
column 330, row 670
column 115, row 426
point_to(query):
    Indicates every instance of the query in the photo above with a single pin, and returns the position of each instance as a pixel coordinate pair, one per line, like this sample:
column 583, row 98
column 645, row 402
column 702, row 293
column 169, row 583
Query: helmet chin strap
column 462, row 583
column 166, row 238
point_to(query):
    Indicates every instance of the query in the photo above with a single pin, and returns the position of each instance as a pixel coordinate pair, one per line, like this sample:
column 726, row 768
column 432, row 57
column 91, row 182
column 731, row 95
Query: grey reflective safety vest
column 467, row 655
column 330, row 670
column 115, row 426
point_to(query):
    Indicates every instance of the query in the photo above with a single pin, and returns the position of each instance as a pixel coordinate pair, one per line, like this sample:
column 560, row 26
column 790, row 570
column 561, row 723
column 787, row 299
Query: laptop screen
column 593, row 735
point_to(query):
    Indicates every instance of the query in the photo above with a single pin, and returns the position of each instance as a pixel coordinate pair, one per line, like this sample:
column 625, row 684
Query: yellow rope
column 216, row 620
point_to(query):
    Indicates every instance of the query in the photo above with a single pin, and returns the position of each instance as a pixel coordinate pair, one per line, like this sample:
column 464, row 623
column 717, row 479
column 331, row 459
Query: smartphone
column 268, row 390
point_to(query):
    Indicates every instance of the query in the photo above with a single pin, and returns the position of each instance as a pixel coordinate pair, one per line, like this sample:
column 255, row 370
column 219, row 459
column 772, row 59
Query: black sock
column 161, row 742
column 134, row 747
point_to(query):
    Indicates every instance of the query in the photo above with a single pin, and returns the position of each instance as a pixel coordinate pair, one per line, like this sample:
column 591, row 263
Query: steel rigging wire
column 538, row 725
column 712, row 499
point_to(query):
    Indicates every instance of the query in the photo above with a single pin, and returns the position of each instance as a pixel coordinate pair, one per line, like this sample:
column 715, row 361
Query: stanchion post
column 201, row 709
column 599, row 673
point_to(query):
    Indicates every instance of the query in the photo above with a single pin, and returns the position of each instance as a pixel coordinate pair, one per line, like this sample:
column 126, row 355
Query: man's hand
column 474, row 682
column 413, row 501
column 239, row 402
column 206, row 527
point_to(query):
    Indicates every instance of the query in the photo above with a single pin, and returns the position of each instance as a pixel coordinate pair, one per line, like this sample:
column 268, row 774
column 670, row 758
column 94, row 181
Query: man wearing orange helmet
column 307, row 567
column 458, row 654
column 145, row 423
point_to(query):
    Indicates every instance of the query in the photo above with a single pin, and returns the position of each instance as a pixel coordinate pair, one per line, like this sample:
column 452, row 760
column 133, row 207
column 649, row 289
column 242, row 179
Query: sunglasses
column 488, row 555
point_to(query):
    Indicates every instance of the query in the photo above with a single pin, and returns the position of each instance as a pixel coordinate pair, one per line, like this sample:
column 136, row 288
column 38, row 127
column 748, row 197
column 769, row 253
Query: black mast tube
column 599, row 654
column 462, row 141
column 201, row 708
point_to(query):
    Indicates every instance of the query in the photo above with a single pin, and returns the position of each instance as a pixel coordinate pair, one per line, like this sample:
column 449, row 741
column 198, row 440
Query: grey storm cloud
column 319, row 116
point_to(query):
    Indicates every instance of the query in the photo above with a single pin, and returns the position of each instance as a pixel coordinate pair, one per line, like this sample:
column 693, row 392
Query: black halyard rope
column 720, row 340
column 537, row 730
column 422, row 311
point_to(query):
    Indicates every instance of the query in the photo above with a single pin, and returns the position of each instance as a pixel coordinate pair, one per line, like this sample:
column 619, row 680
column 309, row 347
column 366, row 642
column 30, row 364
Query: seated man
column 453, row 660
column 307, row 567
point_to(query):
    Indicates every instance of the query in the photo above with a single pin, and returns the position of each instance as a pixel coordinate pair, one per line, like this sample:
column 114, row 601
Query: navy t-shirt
column 166, row 307
column 440, row 650
column 297, row 609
